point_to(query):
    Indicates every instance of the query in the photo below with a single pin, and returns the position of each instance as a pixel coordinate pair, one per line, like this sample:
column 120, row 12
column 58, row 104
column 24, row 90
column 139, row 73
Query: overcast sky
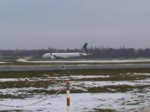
column 34, row 24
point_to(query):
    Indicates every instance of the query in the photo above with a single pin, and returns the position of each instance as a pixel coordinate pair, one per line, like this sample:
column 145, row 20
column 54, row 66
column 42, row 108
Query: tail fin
column 85, row 47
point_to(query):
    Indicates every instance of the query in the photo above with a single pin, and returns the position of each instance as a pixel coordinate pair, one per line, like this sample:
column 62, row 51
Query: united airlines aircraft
column 66, row 55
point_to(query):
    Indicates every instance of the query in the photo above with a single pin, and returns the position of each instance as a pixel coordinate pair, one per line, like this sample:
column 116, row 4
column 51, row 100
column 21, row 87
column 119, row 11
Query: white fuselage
column 63, row 55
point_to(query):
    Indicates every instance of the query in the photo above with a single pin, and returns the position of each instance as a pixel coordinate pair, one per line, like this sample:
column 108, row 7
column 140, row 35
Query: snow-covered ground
column 87, row 61
column 86, row 102
column 2, row 62
column 81, row 102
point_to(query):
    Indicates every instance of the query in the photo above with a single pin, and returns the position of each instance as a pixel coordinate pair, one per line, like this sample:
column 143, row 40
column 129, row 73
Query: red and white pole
column 68, row 95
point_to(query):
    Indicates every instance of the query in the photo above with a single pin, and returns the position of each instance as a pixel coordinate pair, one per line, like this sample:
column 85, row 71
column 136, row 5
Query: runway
column 72, row 67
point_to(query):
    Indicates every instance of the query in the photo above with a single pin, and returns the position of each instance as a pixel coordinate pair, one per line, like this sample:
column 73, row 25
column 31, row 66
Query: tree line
column 95, row 53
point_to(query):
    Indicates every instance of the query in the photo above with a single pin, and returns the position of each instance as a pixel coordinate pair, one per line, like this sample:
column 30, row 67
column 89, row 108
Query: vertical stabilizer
column 85, row 47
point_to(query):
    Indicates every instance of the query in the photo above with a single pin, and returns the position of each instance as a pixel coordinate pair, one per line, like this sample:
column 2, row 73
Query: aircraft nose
column 44, row 56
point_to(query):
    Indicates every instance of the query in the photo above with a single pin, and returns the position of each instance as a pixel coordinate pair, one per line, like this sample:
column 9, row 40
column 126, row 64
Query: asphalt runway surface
column 72, row 67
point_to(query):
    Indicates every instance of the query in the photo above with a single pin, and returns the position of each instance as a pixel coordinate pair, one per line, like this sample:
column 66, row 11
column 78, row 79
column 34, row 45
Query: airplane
column 66, row 55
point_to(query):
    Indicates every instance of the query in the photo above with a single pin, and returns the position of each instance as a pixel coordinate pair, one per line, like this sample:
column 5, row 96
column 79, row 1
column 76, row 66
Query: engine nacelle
column 52, row 57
